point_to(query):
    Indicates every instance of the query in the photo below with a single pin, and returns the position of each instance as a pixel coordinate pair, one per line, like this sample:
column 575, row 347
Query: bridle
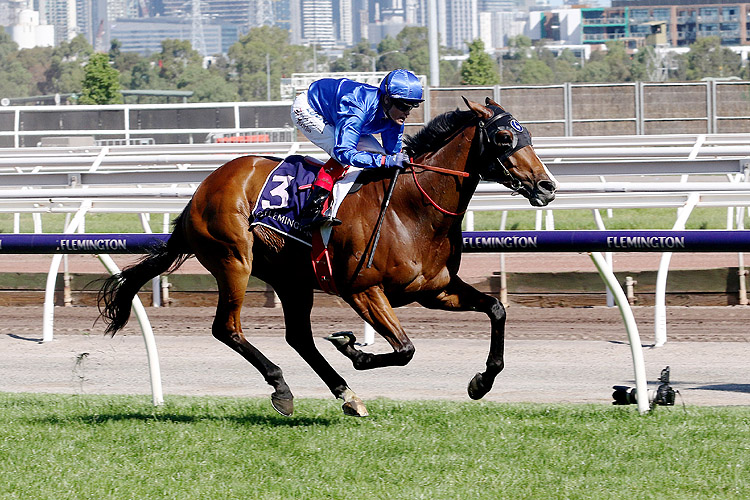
column 487, row 135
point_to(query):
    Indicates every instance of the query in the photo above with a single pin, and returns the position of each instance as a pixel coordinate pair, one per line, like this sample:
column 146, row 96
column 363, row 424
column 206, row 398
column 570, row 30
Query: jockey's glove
column 398, row 160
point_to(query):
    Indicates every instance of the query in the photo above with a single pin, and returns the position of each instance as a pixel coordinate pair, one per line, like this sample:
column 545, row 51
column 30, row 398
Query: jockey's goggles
column 404, row 105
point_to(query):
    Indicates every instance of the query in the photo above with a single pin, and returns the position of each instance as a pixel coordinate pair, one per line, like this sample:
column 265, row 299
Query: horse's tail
column 117, row 292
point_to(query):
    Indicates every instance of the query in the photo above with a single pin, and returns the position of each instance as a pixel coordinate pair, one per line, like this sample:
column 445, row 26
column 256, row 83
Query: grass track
column 633, row 218
column 117, row 447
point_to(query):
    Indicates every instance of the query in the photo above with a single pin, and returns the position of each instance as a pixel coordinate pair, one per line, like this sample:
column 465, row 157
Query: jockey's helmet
column 402, row 85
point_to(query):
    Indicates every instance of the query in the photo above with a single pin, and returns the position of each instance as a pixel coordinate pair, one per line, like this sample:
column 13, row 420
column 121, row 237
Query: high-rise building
column 145, row 35
column 345, row 32
column 462, row 23
column 312, row 23
column 238, row 12
column 684, row 21
column 62, row 15
column 282, row 14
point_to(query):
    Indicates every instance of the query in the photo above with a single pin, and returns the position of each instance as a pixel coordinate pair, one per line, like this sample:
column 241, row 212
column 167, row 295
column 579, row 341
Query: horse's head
column 506, row 155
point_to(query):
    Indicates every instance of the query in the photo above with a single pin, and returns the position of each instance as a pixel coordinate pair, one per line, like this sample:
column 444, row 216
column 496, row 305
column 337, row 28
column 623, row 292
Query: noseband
column 487, row 137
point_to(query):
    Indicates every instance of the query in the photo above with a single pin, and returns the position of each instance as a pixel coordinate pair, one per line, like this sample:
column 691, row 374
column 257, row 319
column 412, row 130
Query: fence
column 571, row 109
column 536, row 241
column 82, row 180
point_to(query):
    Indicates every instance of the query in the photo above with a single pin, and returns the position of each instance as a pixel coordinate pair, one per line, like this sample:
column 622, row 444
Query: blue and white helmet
column 402, row 85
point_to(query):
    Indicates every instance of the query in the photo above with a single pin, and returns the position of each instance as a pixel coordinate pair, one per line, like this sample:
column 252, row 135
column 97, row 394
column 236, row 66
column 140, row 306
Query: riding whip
column 386, row 201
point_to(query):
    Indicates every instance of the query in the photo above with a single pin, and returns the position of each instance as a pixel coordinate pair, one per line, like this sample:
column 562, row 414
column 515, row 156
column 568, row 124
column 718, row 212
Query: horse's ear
column 488, row 101
column 477, row 108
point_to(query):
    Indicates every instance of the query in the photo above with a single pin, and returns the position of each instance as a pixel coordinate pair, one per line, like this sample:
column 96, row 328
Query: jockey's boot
column 311, row 215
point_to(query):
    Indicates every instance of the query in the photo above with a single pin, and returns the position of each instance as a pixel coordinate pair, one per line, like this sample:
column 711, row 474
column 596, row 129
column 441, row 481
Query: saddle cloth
column 285, row 192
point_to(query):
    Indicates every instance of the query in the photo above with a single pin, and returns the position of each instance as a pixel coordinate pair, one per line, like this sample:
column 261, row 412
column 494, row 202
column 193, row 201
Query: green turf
column 117, row 447
column 630, row 218
column 636, row 218
column 95, row 223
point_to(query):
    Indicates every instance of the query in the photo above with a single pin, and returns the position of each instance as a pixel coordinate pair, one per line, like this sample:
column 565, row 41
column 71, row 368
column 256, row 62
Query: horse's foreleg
column 297, row 305
column 373, row 306
column 227, row 328
column 458, row 296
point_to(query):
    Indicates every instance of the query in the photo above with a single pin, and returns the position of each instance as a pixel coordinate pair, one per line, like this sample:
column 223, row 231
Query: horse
column 416, row 260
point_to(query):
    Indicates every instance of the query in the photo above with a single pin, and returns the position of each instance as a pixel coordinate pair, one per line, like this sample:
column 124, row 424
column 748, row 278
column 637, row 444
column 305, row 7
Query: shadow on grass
column 172, row 417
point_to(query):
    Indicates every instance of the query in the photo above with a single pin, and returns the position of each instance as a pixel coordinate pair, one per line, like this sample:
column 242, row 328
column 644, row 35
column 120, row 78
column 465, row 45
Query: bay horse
column 417, row 259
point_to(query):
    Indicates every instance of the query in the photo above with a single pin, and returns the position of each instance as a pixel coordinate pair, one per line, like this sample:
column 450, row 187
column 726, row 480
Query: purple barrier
column 606, row 241
column 79, row 243
column 473, row 241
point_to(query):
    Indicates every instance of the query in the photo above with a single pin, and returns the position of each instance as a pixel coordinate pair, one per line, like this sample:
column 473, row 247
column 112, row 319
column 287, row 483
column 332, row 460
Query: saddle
column 281, row 199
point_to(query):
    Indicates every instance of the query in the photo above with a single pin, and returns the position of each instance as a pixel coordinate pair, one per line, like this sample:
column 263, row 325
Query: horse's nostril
column 546, row 186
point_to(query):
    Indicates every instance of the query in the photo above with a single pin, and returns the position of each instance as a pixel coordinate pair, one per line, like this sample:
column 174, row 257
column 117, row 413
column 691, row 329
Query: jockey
column 341, row 116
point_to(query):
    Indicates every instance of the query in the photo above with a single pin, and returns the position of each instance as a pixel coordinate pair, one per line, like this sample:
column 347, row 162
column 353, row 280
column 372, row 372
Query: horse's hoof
column 355, row 409
column 476, row 387
column 353, row 406
column 341, row 339
column 285, row 406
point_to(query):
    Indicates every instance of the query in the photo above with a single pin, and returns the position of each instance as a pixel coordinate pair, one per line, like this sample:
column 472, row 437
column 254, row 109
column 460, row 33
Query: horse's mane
column 434, row 134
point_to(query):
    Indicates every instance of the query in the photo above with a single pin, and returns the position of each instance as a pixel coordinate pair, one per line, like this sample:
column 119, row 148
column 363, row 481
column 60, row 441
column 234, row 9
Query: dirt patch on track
column 695, row 324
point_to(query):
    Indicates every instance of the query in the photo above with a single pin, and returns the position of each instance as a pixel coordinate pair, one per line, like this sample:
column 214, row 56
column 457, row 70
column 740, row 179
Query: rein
column 442, row 171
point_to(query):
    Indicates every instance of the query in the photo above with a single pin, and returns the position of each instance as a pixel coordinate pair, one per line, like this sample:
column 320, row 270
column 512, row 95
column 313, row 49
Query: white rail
column 562, row 155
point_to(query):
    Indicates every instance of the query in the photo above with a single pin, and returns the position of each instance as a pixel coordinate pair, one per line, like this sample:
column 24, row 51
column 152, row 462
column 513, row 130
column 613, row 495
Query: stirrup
column 320, row 220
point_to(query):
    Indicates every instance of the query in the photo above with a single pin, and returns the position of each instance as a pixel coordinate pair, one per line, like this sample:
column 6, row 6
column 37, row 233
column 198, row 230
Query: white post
column 742, row 274
column 607, row 255
column 636, row 349
column 369, row 333
column 155, row 282
column 48, row 313
column 503, row 274
column 148, row 336
column 660, row 295
column 165, row 278
column 470, row 220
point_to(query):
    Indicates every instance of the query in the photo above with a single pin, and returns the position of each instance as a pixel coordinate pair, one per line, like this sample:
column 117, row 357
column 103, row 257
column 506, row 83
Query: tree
column 65, row 73
column 14, row 79
column 707, row 58
column 618, row 61
column 124, row 62
column 101, row 83
column 36, row 62
column 535, row 71
column 519, row 46
column 359, row 58
column 248, row 55
column 208, row 85
column 414, row 45
column 175, row 57
column 595, row 71
column 479, row 68
column 563, row 71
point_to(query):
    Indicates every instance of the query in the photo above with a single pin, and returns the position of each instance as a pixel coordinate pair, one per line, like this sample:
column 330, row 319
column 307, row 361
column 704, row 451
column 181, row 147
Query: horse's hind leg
column 458, row 296
column 297, row 303
column 232, row 282
column 373, row 306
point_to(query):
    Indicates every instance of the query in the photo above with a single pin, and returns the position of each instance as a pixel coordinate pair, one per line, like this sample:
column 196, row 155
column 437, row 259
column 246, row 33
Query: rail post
column 157, row 396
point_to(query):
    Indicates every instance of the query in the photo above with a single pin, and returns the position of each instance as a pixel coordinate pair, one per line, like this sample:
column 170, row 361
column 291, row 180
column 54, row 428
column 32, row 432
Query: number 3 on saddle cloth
column 284, row 194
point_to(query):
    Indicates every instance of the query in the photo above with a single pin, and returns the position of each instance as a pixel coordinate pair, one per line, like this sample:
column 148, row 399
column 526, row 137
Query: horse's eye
column 504, row 138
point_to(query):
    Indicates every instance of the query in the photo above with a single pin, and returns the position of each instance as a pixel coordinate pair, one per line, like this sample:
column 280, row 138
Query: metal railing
column 579, row 109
